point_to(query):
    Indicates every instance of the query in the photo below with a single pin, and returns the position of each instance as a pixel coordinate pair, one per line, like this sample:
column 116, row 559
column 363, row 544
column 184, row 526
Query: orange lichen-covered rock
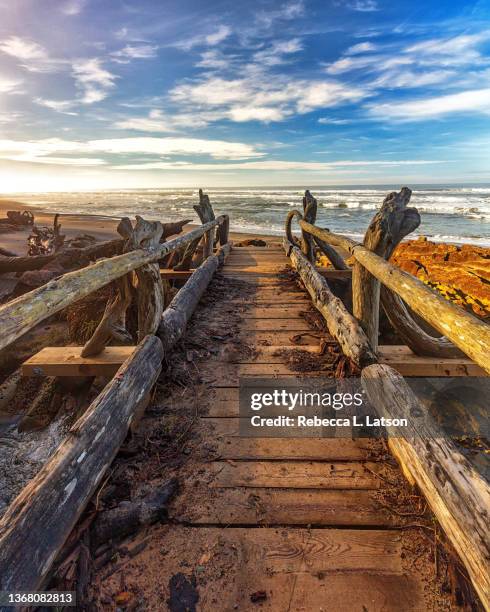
column 460, row 273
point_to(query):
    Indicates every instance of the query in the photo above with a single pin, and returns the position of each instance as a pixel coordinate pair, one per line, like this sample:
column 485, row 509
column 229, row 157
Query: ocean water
column 456, row 214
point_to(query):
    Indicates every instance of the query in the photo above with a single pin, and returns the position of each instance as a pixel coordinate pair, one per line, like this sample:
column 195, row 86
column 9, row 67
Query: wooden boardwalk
column 295, row 521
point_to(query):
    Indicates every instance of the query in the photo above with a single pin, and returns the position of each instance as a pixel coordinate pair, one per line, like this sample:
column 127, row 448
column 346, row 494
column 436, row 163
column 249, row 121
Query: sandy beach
column 102, row 228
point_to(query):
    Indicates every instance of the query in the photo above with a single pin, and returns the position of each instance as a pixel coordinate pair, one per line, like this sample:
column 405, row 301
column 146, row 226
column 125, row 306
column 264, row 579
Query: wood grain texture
column 67, row 361
column 294, row 475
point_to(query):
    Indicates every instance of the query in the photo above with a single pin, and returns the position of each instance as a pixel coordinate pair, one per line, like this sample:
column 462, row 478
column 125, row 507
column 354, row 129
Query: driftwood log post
column 289, row 221
column 206, row 214
column 391, row 223
column 341, row 324
column 39, row 520
column 467, row 332
column 458, row 495
column 150, row 294
column 310, row 206
column 224, row 231
column 178, row 313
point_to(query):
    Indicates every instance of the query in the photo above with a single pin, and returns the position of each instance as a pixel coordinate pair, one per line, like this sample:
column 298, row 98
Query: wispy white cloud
column 214, row 59
column 361, row 48
column 130, row 52
column 475, row 101
column 23, row 49
column 157, row 121
column 61, row 106
column 333, row 121
column 287, row 11
column 363, row 6
column 32, row 56
column 73, row 7
column 219, row 36
column 93, row 79
column 51, row 148
column 212, row 38
column 276, row 52
column 264, row 96
column 9, row 85
column 429, row 62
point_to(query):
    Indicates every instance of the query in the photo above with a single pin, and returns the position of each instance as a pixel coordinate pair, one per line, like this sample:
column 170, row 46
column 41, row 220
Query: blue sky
column 147, row 93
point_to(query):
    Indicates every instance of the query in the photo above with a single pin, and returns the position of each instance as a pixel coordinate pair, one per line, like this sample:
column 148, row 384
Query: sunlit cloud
column 9, row 86
column 94, row 80
column 130, row 52
column 34, row 150
column 31, row 55
column 61, row 106
column 23, row 49
column 475, row 101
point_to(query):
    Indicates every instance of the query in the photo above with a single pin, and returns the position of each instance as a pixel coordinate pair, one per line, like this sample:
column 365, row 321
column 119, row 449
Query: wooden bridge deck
column 295, row 520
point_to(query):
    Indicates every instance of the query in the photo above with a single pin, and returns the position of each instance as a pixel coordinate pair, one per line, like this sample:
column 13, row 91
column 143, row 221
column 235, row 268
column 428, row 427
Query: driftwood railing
column 38, row 522
column 458, row 495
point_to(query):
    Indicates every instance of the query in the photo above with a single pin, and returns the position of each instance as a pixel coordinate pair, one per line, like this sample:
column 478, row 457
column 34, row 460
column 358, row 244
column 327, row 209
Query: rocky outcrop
column 460, row 273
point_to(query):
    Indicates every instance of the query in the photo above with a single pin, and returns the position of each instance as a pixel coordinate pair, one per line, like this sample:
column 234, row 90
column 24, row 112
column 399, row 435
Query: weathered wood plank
column 67, row 361
column 273, row 311
column 270, row 324
column 294, row 475
column 285, row 507
column 283, row 449
column 297, row 339
column 401, row 358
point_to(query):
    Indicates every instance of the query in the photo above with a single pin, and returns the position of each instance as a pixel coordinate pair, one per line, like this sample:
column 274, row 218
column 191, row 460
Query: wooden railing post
column 206, row 213
column 390, row 224
column 309, row 214
column 224, row 231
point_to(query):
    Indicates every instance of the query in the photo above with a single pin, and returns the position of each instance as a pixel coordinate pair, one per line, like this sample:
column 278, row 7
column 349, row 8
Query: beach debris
column 45, row 240
column 128, row 517
column 16, row 219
